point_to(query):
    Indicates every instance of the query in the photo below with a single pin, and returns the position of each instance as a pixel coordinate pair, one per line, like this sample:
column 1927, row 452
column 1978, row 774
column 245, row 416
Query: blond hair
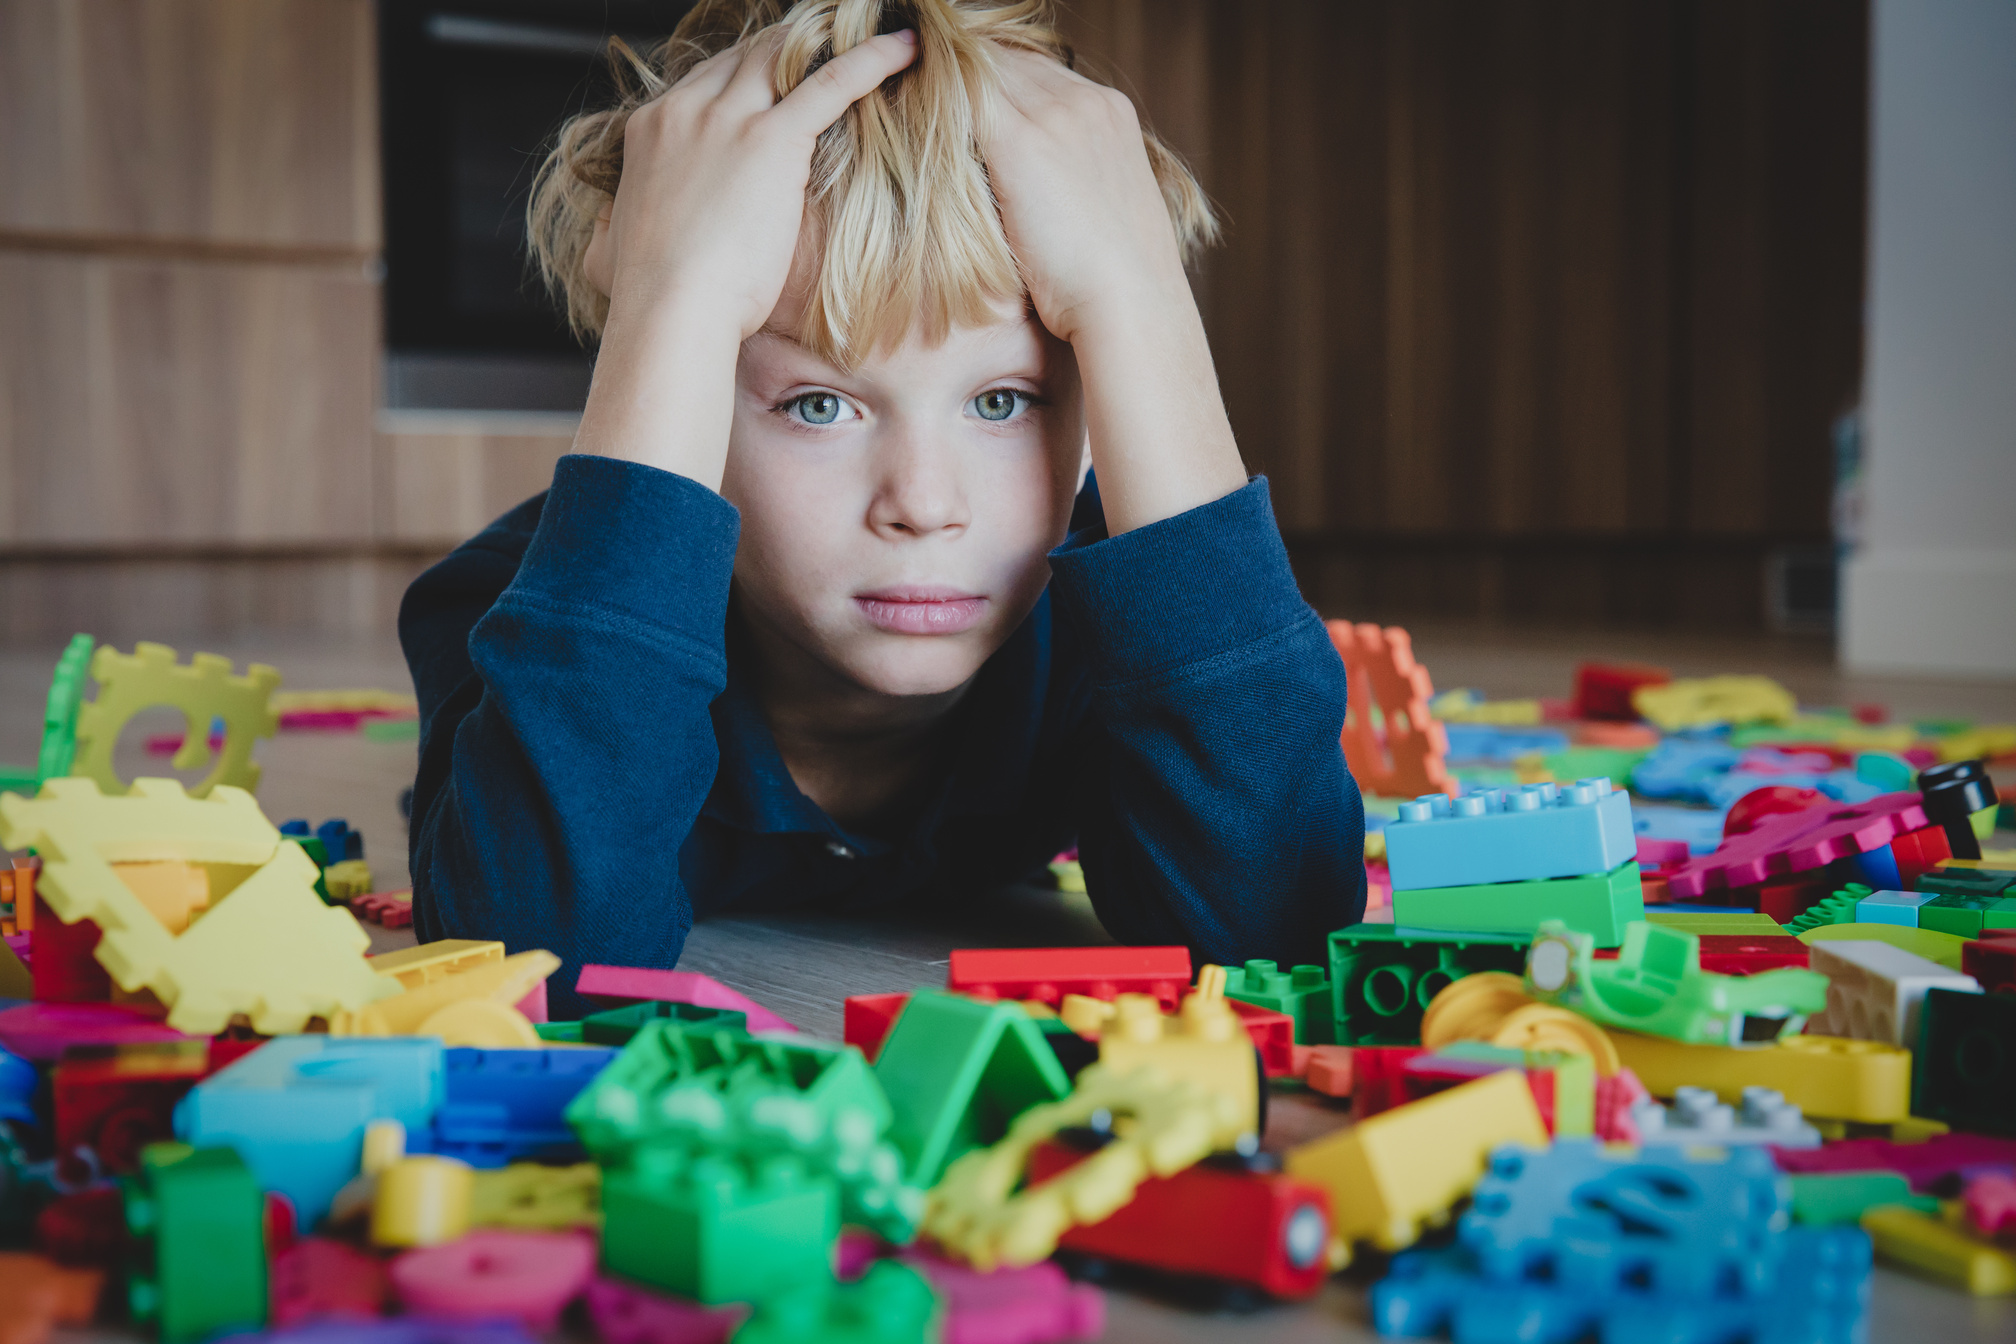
column 899, row 194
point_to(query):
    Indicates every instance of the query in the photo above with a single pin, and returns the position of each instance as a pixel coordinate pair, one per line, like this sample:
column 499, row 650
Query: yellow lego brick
column 1941, row 1250
column 267, row 947
column 203, row 690
column 1744, row 923
column 1696, row 702
column 428, row 962
column 1401, row 1170
column 526, row 1194
column 471, row 1007
column 1931, row 944
column 421, row 1201
column 1865, row 1081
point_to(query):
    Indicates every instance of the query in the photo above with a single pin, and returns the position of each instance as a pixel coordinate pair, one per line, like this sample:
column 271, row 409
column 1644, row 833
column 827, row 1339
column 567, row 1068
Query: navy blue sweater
column 596, row 773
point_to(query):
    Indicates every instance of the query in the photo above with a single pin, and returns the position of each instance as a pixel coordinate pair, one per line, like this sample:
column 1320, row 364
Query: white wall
column 1932, row 587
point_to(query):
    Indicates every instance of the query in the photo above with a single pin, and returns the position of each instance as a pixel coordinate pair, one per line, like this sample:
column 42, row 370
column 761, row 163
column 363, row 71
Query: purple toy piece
column 1797, row 842
column 626, row 1314
column 528, row 1276
column 1035, row 1305
column 404, row 1330
column 1922, row 1164
column 624, row 985
column 42, row 1031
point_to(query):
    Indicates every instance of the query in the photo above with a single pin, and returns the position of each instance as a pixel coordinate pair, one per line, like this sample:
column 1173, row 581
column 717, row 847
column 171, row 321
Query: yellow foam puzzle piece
column 1704, row 700
column 203, row 689
column 266, row 947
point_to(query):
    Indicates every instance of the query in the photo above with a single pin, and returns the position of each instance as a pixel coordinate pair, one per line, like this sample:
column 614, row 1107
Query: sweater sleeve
column 1216, row 809
column 565, row 741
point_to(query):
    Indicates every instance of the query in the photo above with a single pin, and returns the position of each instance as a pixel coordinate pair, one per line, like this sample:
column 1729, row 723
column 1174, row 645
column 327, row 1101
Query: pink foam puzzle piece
column 1796, row 842
column 1034, row 1305
column 1923, row 1164
column 634, row 983
column 528, row 1276
column 40, row 1032
column 1990, row 1200
column 627, row 1314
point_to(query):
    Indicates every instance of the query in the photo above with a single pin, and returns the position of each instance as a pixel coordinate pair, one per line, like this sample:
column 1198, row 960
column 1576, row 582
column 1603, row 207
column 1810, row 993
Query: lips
column 922, row 610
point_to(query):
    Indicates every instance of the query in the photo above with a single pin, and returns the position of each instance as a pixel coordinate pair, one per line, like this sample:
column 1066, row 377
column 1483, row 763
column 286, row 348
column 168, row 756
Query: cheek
column 794, row 527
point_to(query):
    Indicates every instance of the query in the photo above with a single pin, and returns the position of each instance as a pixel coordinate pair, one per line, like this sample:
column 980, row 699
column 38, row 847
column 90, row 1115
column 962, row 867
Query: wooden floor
column 803, row 966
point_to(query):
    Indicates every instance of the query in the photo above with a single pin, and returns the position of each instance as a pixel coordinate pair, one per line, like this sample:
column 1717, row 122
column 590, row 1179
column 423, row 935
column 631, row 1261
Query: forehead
column 1014, row 342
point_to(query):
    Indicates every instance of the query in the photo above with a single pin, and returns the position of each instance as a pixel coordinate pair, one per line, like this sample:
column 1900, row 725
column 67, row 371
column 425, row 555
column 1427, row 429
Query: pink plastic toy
column 636, row 984
column 1797, row 842
column 626, row 1314
column 40, row 1032
column 1011, row 1306
column 529, row 1276
column 319, row 1277
column 1922, row 1164
column 1991, row 1204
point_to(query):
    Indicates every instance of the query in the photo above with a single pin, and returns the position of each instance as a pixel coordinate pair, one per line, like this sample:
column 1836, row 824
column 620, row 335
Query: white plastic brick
column 1874, row 990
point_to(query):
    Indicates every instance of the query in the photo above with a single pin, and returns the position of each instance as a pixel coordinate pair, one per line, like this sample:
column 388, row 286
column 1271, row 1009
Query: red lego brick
column 1330, row 1070
column 115, row 1100
column 1919, row 852
column 1603, row 690
column 1379, row 1078
column 1743, row 954
column 1047, row 974
column 1992, row 961
column 1786, row 901
column 1273, row 1036
column 61, row 960
column 867, row 1018
column 1263, row 1230
column 84, row 1229
column 393, row 909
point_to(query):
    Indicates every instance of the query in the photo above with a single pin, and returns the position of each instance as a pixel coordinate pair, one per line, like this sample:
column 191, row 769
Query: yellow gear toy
column 1493, row 1006
column 265, row 946
column 1160, row 1126
column 203, row 690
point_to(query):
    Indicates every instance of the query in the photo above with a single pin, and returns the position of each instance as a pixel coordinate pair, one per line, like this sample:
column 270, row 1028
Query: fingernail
column 907, row 35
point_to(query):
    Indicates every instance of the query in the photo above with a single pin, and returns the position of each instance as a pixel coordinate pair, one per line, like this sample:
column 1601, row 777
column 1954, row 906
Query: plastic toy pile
column 1569, row 1115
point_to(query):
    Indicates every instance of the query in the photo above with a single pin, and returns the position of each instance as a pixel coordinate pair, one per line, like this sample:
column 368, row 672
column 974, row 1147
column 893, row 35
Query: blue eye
column 1001, row 403
column 820, row 408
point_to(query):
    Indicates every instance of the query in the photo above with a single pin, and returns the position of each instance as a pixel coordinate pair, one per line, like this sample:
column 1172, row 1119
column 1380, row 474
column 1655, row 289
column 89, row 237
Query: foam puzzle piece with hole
column 203, row 689
column 268, row 948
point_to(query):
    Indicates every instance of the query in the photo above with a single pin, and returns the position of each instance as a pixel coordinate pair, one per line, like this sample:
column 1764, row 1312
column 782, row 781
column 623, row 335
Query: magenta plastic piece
column 1797, row 842
column 1922, row 1164
column 1661, row 853
column 528, row 1276
column 626, row 1314
column 635, row 984
column 42, row 1031
column 1991, row 1204
column 1035, row 1305
column 318, row 1277
column 854, row 1251
column 19, row 943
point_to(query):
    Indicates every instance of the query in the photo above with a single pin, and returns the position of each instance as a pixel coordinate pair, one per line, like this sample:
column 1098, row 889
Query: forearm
column 664, row 388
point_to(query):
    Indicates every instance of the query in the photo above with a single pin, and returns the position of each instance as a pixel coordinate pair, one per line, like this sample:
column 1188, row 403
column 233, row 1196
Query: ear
column 598, row 263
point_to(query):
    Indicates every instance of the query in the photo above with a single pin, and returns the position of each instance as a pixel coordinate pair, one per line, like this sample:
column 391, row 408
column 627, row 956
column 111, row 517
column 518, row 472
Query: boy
column 798, row 621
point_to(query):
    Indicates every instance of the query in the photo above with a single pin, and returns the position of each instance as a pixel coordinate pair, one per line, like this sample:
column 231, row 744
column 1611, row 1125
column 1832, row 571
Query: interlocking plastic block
column 1827, row 1076
column 474, row 1007
column 1602, row 905
column 59, row 720
column 624, row 1313
column 1409, row 757
column 1926, row 1164
column 1390, row 1175
column 1839, row 1199
column 718, row 1228
column 198, row 1220
column 1656, row 985
column 1935, row 1247
column 1824, row 1300
column 891, row 1304
column 1891, row 907
column 1033, row 1305
column 1529, row 834
column 527, row 1276
column 297, row 1107
column 528, row 1195
column 1919, row 852
column 43, row 1031
column 1990, row 1203
column 1992, row 962
column 504, row 1106
column 1330, row 1071
column 40, row 1295
column 867, row 1018
column 1202, row 1043
column 1697, row 1116
column 1047, row 974
column 1303, row 993
column 1272, row 1034
column 114, row 1102
column 617, row 1025
column 203, row 689
column 1382, row 978
column 1966, row 1074
column 317, row 1277
column 1874, row 991
column 426, row 963
column 1960, row 880
column 1797, row 842
column 1699, row 702
column 1934, row 946
column 1563, row 1085
column 267, row 948
column 1701, row 923
column 63, row 961
column 1967, row 916
column 1741, row 954
column 619, row 986
column 1603, row 690
column 957, row 1072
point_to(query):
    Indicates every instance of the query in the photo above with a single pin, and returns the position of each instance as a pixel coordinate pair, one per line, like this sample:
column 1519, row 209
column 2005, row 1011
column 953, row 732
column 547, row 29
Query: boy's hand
column 1085, row 216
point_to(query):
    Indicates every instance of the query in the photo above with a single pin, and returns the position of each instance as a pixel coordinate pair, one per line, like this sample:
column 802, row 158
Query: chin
column 917, row 665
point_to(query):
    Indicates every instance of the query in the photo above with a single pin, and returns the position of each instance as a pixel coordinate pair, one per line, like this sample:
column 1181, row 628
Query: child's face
column 895, row 519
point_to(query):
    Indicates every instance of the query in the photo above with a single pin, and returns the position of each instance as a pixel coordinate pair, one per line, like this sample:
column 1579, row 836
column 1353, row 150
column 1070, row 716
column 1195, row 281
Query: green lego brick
column 719, row 1228
column 618, row 1026
column 198, row 1221
column 1601, row 905
column 1382, row 977
column 1966, row 915
column 1839, row 1199
column 1966, row 882
column 957, row 1071
column 1840, row 908
column 1302, row 993
column 1743, row 922
column 566, row 1033
column 890, row 1304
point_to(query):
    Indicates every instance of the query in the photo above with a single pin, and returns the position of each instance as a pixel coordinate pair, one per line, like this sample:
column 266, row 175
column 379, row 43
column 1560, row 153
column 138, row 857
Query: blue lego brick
column 1526, row 835
column 1891, row 907
column 1878, row 868
column 18, row 1081
column 339, row 842
column 504, row 1106
column 296, row 1108
column 1821, row 1296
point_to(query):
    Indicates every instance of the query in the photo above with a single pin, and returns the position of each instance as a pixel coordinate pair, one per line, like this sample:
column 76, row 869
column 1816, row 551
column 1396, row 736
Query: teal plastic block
column 296, row 1108
column 1602, row 905
column 198, row 1221
column 957, row 1071
column 890, row 1304
column 1302, row 993
column 1522, row 835
column 1965, row 882
column 1891, row 907
column 1382, row 977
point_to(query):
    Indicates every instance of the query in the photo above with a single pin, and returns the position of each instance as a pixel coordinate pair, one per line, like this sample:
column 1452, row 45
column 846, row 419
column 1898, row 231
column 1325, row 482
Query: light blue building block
column 1528, row 834
column 296, row 1108
column 1892, row 907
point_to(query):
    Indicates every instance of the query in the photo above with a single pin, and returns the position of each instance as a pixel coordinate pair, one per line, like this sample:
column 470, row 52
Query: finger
column 754, row 80
column 835, row 86
column 712, row 75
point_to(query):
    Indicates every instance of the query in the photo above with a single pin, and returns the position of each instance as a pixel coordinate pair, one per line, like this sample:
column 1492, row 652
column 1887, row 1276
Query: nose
column 918, row 489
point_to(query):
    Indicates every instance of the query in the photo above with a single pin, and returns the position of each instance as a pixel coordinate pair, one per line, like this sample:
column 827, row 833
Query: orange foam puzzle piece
column 1380, row 669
